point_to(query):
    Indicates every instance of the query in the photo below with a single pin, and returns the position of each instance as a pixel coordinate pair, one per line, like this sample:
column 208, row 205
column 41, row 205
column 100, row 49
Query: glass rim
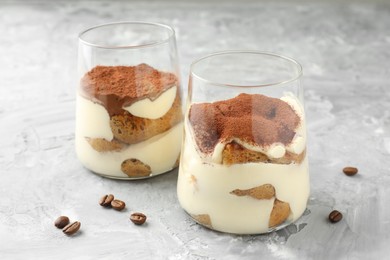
column 291, row 60
column 169, row 28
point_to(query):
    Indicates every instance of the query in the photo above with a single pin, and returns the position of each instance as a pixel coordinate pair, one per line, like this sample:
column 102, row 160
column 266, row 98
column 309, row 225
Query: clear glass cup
column 244, row 167
column 128, row 112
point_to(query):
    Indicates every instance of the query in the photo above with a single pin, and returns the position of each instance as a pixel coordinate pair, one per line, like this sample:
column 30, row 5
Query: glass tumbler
column 244, row 167
column 128, row 112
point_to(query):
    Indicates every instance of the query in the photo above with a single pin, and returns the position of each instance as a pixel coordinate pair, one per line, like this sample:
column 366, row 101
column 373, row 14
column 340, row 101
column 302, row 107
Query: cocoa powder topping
column 256, row 119
column 118, row 86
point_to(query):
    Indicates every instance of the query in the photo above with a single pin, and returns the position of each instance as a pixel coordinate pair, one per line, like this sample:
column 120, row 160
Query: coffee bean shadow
column 144, row 225
column 125, row 210
column 76, row 235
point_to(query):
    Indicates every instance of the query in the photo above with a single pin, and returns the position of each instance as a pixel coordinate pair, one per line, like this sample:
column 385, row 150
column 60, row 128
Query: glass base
column 270, row 230
column 124, row 178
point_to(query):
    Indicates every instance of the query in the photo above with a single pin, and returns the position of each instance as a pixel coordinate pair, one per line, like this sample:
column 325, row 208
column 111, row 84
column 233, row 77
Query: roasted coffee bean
column 106, row 200
column 335, row 216
column 118, row 204
column 61, row 221
column 138, row 218
column 71, row 228
column 350, row 171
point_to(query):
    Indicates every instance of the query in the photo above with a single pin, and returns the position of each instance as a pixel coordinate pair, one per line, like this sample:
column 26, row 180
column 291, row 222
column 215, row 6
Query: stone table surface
column 344, row 48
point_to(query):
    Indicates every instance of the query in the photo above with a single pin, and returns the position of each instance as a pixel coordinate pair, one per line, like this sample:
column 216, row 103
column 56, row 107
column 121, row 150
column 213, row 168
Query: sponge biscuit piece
column 235, row 153
column 135, row 168
column 266, row 191
column 131, row 129
column 103, row 145
column 279, row 213
column 203, row 219
column 280, row 210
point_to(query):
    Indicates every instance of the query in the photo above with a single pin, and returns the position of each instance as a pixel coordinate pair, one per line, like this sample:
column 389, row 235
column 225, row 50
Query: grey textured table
column 345, row 52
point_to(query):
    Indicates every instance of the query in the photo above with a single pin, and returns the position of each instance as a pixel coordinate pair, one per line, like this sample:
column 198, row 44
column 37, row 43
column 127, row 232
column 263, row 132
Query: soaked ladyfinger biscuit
column 103, row 145
column 203, row 219
column 132, row 129
column 235, row 153
column 279, row 213
column 266, row 191
column 135, row 168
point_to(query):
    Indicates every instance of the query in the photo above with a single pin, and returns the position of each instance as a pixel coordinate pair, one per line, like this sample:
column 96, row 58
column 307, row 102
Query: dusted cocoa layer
column 255, row 119
column 116, row 87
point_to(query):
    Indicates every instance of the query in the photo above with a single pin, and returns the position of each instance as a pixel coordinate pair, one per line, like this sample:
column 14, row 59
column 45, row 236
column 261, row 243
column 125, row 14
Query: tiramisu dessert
column 244, row 167
column 129, row 121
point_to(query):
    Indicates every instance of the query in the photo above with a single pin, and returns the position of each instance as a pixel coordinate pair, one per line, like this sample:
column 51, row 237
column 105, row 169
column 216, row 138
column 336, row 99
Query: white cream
column 92, row 120
column 290, row 99
column 211, row 194
column 159, row 152
column 157, row 108
column 298, row 144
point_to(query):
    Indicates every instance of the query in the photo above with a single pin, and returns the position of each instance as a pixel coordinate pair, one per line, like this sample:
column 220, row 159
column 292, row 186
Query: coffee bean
column 118, row 204
column 138, row 218
column 335, row 216
column 71, row 228
column 61, row 221
column 350, row 171
column 106, row 200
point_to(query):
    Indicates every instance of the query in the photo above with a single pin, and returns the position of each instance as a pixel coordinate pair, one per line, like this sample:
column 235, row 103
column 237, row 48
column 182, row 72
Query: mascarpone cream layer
column 159, row 152
column 157, row 108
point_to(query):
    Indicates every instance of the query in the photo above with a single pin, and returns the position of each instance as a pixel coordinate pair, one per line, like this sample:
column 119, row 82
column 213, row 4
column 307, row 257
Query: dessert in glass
column 244, row 166
column 128, row 111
